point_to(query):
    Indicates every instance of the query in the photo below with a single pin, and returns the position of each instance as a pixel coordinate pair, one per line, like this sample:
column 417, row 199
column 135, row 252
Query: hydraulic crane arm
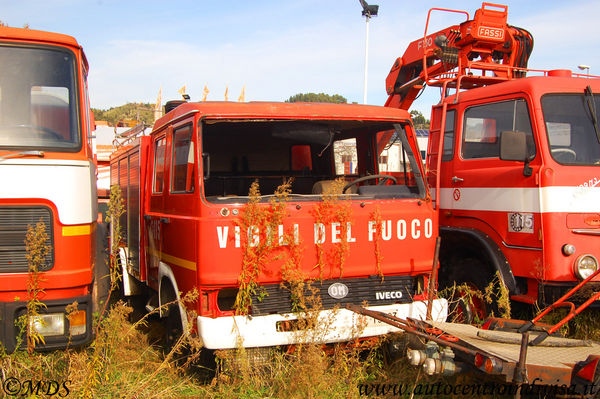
column 478, row 52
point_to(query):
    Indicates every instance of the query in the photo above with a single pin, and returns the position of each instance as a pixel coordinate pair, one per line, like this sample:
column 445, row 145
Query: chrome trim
column 577, row 262
column 520, row 247
column 591, row 232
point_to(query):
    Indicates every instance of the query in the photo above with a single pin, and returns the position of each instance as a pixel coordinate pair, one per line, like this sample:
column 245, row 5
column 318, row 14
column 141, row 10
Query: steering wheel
column 370, row 177
column 570, row 153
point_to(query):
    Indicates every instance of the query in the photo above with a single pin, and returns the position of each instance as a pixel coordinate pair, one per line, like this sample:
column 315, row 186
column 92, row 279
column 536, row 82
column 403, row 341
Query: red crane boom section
column 478, row 52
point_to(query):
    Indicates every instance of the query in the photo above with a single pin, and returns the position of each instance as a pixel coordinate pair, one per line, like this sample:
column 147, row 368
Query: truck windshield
column 570, row 127
column 368, row 159
column 38, row 101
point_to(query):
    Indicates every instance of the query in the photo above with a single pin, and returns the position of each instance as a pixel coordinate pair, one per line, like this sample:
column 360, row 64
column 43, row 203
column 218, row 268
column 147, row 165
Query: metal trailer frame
column 500, row 348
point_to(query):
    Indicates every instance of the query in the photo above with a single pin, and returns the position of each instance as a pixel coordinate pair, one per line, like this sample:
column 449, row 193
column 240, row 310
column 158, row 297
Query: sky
column 276, row 49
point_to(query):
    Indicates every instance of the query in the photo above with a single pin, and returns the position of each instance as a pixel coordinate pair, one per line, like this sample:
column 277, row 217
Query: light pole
column 368, row 12
column 584, row 68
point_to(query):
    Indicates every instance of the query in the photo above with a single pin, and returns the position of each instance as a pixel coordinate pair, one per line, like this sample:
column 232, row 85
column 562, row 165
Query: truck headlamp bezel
column 585, row 265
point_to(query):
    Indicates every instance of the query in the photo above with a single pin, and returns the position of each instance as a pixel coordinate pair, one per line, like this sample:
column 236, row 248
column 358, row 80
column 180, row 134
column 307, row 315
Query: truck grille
column 273, row 298
column 550, row 293
column 13, row 229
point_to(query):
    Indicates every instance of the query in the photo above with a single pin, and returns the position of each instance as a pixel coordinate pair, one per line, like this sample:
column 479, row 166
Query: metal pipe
column 433, row 277
column 404, row 325
column 521, row 369
column 366, row 59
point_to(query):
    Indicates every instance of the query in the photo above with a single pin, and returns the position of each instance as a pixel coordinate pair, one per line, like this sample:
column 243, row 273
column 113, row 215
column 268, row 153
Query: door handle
column 456, row 179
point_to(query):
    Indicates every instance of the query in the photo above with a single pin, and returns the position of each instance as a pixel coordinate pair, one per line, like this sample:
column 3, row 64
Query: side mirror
column 513, row 146
column 92, row 121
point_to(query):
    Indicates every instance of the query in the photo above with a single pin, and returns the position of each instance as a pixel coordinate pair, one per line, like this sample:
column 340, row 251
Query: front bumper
column 338, row 325
column 10, row 312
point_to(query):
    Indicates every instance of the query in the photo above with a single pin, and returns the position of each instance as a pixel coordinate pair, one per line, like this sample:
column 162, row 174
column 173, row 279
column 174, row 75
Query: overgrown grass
column 123, row 362
column 128, row 366
column 125, row 366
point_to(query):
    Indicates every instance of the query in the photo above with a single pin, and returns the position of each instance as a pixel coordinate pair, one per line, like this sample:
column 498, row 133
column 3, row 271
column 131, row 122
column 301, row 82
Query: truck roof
column 279, row 110
column 537, row 85
column 27, row 35
column 7, row 33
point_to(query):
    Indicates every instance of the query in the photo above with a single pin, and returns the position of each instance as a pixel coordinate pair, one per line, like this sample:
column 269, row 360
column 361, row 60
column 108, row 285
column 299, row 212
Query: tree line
column 144, row 112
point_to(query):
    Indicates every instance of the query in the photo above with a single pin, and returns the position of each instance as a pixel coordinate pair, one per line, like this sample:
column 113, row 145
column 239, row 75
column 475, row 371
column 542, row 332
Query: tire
column 468, row 305
column 173, row 327
column 465, row 282
column 101, row 281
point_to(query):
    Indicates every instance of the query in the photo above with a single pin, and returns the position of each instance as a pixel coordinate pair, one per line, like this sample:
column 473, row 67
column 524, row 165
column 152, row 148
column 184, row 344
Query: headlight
column 49, row 325
column 585, row 266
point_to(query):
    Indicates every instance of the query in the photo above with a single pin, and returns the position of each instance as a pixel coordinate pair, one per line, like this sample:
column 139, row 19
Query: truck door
column 500, row 198
column 180, row 219
column 155, row 217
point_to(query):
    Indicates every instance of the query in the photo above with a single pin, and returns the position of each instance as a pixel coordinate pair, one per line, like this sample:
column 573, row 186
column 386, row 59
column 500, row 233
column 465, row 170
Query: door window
column 183, row 160
column 449, row 137
column 160, row 146
column 484, row 123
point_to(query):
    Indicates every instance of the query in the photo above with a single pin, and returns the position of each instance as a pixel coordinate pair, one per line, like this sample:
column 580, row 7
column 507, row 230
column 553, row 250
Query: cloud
column 293, row 50
column 564, row 37
column 274, row 68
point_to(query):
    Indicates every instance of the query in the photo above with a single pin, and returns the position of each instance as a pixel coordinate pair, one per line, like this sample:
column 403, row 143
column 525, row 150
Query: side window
column 483, row 125
column 449, row 136
column 159, row 165
column 183, row 161
column 346, row 157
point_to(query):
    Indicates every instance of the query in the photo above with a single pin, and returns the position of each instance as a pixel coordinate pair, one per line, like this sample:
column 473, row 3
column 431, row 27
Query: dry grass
column 122, row 363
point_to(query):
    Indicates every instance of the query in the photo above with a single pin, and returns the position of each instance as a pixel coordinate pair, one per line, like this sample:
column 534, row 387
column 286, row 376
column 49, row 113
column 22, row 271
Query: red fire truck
column 514, row 157
column 48, row 175
column 186, row 188
column 514, row 161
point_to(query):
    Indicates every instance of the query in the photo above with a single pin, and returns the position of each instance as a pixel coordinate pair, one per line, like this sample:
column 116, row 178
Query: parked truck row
column 247, row 203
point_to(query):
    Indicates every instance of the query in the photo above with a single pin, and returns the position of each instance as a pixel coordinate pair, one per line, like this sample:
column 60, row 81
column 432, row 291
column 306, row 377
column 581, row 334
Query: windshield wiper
column 591, row 103
column 22, row 153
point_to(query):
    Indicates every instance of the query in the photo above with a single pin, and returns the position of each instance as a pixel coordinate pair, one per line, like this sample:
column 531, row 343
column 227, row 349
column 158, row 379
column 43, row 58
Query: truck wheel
column 466, row 286
column 173, row 327
column 468, row 305
column 101, row 281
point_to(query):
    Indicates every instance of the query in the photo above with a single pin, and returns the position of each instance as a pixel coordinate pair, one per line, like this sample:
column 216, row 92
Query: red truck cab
column 517, row 178
column 49, row 175
column 520, row 181
column 189, row 217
